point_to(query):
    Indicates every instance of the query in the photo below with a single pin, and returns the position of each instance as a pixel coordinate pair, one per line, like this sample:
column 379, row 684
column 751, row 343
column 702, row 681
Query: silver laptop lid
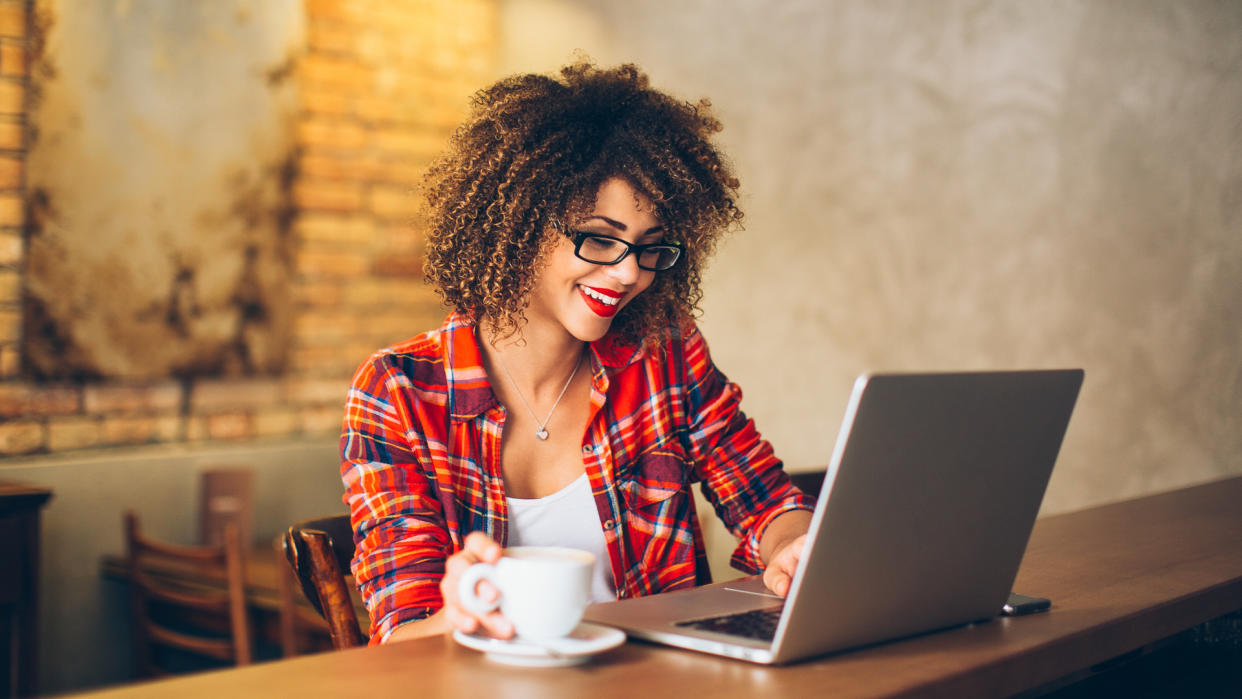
column 929, row 500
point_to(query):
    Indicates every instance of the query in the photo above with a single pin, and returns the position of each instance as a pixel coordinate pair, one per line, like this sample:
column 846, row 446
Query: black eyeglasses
column 601, row 249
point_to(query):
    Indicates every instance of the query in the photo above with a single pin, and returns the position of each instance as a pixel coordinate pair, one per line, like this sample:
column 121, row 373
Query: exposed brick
column 324, row 294
column 393, row 202
column 111, row 398
column 332, row 264
column 324, row 420
column 11, row 250
column 12, row 214
column 334, row 10
column 234, row 425
column 169, row 428
column 195, row 429
column 318, row 391
column 405, row 142
column 10, row 286
column 129, row 430
column 10, row 173
column 21, row 437
column 388, row 292
column 323, row 100
column 13, row 20
column 10, row 325
column 23, row 400
column 74, row 433
column 10, row 361
column 352, row 229
column 327, row 359
column 275, row 423
column 12, row 60
column 399, row 265
column 339, row 167
column 321, row 195
column 405, row 171
column 330, row 35
column 331, row 134
column 342, row 73
column 12, row 96
column 324, row 326
column 209, row 396
column 12, row 135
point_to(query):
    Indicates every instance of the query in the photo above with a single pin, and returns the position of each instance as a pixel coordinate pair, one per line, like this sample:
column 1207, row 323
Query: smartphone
column 1017, row 605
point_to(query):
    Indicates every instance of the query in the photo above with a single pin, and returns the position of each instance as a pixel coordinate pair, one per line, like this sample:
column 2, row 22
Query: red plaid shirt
column 421, row 466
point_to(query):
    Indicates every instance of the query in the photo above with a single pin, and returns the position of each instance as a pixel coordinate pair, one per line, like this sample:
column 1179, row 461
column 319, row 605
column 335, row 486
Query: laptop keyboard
column 759, row 624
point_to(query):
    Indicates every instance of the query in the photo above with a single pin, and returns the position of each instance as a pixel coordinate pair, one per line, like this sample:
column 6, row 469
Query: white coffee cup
column 543, row 589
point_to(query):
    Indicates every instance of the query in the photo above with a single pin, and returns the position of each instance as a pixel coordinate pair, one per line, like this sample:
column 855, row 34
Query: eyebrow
column 621, row 226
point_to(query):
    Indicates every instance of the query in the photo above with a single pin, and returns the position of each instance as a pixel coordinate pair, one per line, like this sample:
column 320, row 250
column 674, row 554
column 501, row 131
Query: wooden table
column 1121, row 577
column 19, row 586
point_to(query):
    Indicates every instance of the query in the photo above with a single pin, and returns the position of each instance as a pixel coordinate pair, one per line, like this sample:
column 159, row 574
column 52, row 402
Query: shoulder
column 682, row 350
column 418, row 361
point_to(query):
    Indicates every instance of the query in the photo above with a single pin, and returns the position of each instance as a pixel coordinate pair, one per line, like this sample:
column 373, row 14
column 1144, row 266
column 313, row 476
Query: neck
column 539, row 365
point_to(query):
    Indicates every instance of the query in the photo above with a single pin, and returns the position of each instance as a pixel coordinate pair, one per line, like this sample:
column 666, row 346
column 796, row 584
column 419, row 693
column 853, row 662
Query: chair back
column 200, row 619
column 319, row 552
column 809, row 482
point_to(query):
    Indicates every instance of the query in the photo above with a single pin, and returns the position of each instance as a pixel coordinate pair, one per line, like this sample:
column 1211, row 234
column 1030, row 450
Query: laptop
column 927, row 504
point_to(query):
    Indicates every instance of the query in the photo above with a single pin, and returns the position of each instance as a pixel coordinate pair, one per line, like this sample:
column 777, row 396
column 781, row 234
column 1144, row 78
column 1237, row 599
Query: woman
column 568, row 399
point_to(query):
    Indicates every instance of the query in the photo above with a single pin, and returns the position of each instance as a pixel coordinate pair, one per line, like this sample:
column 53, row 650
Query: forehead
column 618, row 200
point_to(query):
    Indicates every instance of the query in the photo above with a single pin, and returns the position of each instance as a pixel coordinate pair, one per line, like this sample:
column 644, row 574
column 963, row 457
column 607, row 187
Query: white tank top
column 565, row 518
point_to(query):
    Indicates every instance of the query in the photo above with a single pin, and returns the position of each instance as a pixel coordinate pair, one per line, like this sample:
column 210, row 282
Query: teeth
column 606, row 300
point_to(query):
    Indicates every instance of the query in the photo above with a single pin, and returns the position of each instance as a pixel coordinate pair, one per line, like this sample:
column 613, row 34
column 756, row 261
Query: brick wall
column 382, row 84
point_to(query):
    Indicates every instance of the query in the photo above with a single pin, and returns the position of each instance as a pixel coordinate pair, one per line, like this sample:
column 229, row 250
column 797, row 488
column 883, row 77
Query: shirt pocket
column 655, row 476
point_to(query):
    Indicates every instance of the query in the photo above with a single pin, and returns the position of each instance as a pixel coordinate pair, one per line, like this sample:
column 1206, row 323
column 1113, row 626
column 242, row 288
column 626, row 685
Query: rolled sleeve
column 400, row 536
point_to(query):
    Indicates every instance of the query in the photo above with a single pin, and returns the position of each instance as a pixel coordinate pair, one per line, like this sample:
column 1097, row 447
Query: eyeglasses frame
column 578, row 237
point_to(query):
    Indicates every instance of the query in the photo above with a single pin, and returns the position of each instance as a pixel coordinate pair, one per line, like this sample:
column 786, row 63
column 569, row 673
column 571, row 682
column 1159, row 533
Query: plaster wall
column 160, row 161
column 950, row 184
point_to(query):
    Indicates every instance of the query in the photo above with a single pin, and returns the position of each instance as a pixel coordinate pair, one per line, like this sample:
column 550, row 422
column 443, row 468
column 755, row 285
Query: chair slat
column 147, row 588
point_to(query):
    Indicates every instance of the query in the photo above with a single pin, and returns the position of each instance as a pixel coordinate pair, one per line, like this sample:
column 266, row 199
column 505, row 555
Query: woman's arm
column 742, row 478
column 398, row 520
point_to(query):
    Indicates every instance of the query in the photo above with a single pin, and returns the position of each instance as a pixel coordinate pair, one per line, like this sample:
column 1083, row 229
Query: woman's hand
column 781, row 548
column 778, row 576
column 478, row 548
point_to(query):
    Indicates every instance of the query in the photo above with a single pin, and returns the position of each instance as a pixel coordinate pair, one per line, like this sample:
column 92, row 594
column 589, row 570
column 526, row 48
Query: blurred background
column 208, row 220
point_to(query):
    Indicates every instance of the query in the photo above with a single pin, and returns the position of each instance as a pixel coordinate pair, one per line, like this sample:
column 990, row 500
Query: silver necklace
column 542, row 432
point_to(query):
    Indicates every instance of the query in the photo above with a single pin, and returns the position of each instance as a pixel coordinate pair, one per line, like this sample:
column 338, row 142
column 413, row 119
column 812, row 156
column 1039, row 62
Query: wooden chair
column 809, row 482
column 319, row 551
column 200, row 620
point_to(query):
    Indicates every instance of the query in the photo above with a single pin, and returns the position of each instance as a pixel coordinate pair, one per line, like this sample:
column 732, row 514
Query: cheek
column 644, row 282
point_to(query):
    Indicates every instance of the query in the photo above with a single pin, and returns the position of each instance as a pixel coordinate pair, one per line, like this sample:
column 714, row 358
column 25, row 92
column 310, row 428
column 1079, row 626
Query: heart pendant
column 542, row 434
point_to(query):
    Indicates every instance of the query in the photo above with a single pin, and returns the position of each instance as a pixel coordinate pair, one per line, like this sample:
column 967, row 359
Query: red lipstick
column 600, row 308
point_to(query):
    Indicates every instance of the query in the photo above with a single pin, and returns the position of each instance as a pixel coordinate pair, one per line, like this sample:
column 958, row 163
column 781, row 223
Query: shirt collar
column 470, row 393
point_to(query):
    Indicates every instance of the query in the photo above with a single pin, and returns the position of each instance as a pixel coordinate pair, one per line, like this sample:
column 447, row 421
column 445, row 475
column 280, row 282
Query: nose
column 626, row 271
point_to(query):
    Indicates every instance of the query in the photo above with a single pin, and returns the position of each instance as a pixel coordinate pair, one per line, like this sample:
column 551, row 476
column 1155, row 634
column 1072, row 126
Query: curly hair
column 532, row 156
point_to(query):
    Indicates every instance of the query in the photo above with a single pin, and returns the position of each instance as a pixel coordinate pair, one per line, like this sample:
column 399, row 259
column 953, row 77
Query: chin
column 589, row 329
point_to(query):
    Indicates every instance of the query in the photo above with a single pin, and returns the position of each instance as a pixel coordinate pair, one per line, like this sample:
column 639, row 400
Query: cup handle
column 469, row 581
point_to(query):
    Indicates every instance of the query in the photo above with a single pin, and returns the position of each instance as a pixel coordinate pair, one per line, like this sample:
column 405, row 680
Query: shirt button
column 609, row 524
column 587, row 450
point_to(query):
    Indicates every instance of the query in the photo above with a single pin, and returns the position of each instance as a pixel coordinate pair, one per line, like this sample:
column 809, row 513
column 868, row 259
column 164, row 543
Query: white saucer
column 585, row 641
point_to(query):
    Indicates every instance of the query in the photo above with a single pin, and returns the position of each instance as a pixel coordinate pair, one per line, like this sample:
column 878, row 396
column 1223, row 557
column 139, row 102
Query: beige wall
column 935, row 185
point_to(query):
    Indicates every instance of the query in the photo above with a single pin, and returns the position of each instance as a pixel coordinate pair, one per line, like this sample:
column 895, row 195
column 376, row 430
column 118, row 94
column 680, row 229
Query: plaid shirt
column 421, row 466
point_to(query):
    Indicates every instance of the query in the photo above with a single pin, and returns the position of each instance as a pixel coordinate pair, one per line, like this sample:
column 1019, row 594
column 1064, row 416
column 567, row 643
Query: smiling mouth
column 604, row 302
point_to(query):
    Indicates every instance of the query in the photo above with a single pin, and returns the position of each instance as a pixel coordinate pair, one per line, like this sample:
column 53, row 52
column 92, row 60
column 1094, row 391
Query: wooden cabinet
column 19, row 587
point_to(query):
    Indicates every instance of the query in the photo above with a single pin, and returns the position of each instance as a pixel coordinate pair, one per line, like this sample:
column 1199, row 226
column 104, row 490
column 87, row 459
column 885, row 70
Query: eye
column 595, row 243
